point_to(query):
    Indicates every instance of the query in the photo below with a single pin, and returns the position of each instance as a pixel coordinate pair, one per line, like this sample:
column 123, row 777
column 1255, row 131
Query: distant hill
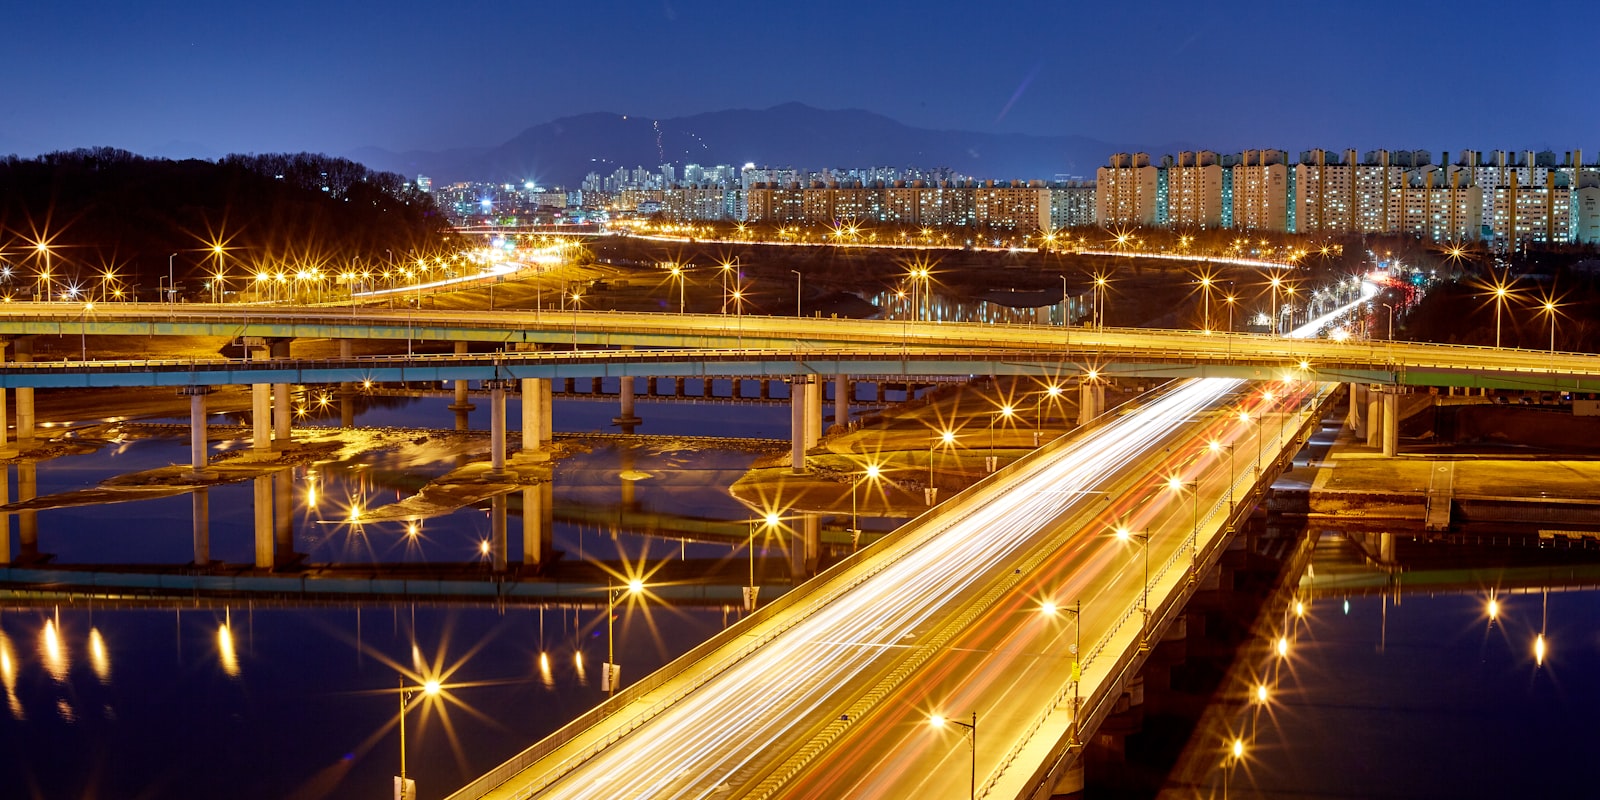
column 563, row 151
column 104, row 208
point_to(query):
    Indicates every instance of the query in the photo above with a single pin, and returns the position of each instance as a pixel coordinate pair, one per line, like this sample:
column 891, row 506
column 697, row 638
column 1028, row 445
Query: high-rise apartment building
column 1261, row 190
column 1126, row 191
column 1194, row 190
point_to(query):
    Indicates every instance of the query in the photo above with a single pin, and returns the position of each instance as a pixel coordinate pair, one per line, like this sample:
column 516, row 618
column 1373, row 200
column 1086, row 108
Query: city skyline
column 195, row 80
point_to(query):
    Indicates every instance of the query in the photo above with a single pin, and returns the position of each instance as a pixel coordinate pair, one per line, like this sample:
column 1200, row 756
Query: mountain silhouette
column 561, row 152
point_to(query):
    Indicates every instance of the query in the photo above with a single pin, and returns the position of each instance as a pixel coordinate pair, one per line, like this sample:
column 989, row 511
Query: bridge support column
column 497, row 431
column 766, row 389
column 1091, row 402
column 263, row 514
column 536, row 420
column 841, row 400
column 1069, row 784
column 1358, row 405
column 23, row 350
column 202, row 527
column 677, row 388
column 282, row 414
column 538, row 529
column 197, row 429
column 813, row 411
column 1374, row 417
column 1391, row 423
column 736, row 389
column 260, row 417
column 497, row 532
column 625, row 417
column 797, row 424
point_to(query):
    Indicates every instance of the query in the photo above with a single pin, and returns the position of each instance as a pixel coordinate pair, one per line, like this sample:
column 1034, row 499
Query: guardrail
column 1096, row 705
column 865, row 564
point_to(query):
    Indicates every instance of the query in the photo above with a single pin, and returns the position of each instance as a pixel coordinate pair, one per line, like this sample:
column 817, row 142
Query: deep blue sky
column 192, row 78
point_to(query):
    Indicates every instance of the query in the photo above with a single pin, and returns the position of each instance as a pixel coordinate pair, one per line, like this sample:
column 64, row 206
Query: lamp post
column 1205, row 287
column 677, row 272
column 1549, row 307
column 83, row 331
column 171, row 286
column 611, row 674
column 1050, row 608
column 939, row 721
column 1500, row 293
column 1229, row 300
column 1391, row 320
column 44, row 277
column 1144, row 599
column 797, row 291
column 1100, row 301
column 406, row 787
column 770, row 521
column 1244, row 416
column 1276, row 282
column 577, row 299
column 1066, row 304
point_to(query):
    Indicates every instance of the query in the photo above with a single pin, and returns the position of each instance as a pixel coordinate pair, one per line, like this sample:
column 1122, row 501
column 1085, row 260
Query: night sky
column 189, row 78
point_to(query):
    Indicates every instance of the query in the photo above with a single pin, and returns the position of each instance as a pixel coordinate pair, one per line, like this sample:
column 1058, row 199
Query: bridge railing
column 1096, row 704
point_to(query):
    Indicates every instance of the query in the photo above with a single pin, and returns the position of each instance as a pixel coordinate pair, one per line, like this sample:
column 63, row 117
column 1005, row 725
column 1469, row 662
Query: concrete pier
column 841, row 400
column 797, row 424
column 260, row 417
column 1374, row 429
column 1091, row 401
column 497, row 428
column 1391, row 423
column 283, row 517
column 28, row 521
column 197, row 428
column 22, row 349
column 282, row 415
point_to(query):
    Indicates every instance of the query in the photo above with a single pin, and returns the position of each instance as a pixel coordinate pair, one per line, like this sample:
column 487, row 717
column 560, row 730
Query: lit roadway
column 831, row 697
column 1235, row 355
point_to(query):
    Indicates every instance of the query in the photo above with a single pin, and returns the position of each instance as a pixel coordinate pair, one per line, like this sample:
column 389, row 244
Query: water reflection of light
column 1539, row 650
column 545, row 676
column 577, row 661
column 8, row 675
column 55, row 656
column 98, row 657
column 1283, row 645
column 1494, row 609
column 225, row 651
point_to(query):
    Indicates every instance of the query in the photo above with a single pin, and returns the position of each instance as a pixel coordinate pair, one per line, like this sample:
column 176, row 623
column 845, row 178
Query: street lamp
column 677, row 272
column 1049, row 608
column 1244, row 417
column 1391, row 320
column 407, row 787
column 170, row 285
column 44, row 277
column 610, row 675
column 939, row 721
column 1276, row 283
column 1100, row 301
column 797, row 290
column 1143, row 536
column 1229, row 300
column 1549, row 307
column 1205, row 286
column 1500, row 293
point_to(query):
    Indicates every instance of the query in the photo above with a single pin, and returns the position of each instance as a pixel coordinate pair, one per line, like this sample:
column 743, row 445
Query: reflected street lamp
column 871, row 473
column 406, row 787
column 939, row 721
column 610, row 675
